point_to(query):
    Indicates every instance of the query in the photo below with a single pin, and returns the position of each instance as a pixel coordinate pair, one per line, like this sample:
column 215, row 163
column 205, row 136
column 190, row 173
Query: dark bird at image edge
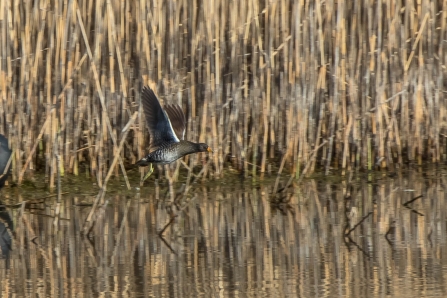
column 167, row 130
column 5, row 154
column 6, row 222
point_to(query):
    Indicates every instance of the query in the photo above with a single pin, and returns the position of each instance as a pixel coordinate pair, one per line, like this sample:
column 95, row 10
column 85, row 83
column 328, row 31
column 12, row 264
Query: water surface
column 364, row 238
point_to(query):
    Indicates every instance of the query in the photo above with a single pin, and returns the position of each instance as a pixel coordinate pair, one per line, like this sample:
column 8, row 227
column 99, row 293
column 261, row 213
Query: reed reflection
column 352, row 239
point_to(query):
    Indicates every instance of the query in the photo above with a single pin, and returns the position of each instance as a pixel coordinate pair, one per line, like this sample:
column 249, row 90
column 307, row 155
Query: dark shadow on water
column 6, row 230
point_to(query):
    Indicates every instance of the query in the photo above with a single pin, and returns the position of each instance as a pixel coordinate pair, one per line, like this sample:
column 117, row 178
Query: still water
column 377, row 238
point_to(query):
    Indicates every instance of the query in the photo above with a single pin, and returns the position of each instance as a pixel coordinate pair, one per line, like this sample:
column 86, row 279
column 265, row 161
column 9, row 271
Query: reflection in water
column 6, row 228
column 358, row 240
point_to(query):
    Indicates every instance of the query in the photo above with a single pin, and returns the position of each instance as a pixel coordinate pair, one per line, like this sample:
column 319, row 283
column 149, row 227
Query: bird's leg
column 151, row 170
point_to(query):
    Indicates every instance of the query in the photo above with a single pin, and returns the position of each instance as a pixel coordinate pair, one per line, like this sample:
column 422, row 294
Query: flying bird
column 167, row 131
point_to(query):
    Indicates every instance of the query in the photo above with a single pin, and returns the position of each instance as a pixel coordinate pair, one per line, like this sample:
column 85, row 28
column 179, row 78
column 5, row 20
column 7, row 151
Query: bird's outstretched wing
column 160, row 128
column 177, row 119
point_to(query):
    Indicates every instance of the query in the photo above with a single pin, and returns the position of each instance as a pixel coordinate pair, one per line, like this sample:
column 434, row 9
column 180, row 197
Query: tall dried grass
column 263, row 82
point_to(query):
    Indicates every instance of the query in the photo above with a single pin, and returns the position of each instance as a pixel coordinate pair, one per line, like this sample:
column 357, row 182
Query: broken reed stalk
column 118, row 154
column 262, row 82
column 99, row 198
column 100, row 93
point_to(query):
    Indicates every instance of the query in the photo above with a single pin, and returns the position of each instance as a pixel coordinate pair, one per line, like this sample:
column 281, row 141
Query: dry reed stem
column 118, row 153
column 88, row 222
column 101, row 95
column 420, row 31
column 30, row 156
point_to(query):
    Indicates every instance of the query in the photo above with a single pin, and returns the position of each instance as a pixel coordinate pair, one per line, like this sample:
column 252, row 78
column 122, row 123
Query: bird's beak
column 209, row 149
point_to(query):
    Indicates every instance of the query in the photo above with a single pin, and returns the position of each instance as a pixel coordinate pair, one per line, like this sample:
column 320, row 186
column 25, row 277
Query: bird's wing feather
column 160, row 128
column 177, row 119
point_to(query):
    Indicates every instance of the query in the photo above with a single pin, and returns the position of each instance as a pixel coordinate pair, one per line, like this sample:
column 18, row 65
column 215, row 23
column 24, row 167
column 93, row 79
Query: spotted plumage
column 167, row 130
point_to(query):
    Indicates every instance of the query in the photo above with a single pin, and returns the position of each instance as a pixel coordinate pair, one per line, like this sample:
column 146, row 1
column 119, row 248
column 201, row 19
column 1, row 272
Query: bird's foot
column 151, row 170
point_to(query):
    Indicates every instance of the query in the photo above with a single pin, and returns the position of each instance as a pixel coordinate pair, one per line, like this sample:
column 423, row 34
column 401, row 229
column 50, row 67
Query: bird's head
column 204, row 148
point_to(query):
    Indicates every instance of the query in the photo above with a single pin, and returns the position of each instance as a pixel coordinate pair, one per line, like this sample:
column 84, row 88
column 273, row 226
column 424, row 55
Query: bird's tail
column 142, row 163
column 128, row 167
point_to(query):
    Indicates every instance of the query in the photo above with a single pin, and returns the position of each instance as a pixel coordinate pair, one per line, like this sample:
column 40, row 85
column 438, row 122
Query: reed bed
column 265, row 83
